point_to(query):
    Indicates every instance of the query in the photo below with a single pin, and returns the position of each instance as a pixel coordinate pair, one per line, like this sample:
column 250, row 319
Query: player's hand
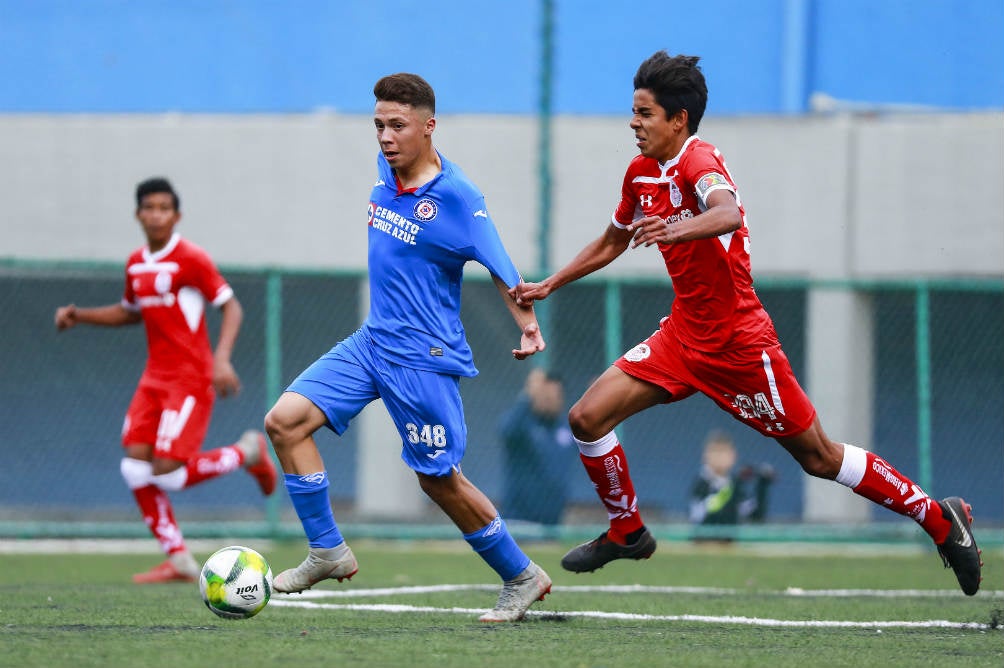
column 650, row 230
column 530, row 342
column 525, row 294
column 66, row 316
column 225, row 379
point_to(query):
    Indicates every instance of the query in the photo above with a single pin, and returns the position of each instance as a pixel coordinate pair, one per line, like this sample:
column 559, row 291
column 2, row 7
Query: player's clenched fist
column 66, row 316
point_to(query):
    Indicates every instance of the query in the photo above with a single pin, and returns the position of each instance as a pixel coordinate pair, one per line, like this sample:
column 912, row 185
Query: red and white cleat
column 164, row 572
column 258, row 460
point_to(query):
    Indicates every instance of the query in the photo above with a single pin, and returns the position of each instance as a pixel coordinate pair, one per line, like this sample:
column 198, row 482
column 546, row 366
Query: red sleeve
column 128, row 294
column 627, row 209
column 704, row 170
column 208, row 279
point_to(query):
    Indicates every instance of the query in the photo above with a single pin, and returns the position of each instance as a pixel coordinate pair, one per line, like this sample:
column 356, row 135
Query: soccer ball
column 236, row 582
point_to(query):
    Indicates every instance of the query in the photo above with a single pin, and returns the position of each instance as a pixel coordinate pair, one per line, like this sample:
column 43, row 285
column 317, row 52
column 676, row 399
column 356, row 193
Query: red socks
column 214, row 463
column 884, row 485
column 864, row 472
column 159, row 517
column 609, row 473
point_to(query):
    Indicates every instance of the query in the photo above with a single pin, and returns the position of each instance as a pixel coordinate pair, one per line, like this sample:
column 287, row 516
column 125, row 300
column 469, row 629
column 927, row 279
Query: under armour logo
column 646, row 200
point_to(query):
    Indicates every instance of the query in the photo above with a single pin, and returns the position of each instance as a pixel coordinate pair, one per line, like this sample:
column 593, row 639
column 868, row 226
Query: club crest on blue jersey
column 426, row 209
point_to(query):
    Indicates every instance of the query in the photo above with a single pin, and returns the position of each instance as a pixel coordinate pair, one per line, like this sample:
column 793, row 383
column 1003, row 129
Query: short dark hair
column 157, row 184
column 677, row 83
column 406, row 88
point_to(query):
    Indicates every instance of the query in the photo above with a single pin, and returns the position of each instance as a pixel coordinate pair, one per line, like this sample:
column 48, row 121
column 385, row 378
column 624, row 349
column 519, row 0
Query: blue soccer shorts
column 425, row 406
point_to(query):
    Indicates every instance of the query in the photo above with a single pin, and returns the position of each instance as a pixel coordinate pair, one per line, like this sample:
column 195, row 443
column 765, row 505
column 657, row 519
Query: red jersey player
column 718, row 340
column 168, row 283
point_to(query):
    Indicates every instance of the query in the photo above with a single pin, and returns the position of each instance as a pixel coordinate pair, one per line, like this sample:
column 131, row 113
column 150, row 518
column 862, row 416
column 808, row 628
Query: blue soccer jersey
column 419, row 242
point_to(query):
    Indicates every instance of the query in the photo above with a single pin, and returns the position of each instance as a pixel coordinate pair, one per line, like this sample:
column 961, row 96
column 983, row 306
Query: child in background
column 719, row 496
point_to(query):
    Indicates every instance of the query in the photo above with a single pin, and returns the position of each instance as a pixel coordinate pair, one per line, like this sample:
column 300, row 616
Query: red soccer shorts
column 754, row 384
column 173, row 419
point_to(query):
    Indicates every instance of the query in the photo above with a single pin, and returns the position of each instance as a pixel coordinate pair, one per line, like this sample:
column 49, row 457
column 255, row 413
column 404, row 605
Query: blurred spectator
column 720, row 496
column 538, row 451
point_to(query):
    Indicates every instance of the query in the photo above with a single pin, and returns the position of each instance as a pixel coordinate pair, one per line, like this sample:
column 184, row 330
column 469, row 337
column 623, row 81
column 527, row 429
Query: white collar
column 163, row 252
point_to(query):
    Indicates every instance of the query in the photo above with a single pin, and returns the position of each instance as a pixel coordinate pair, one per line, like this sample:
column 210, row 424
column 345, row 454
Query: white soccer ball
column 236, row 582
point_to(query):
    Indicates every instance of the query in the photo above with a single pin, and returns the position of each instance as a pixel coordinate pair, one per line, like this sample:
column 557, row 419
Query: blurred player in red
column 168, row 283
column 718, row 340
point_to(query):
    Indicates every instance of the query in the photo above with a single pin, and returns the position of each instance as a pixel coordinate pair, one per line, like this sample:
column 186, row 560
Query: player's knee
column 583, row 425
column 292, row 419
column 278, row 426
column 136, row 473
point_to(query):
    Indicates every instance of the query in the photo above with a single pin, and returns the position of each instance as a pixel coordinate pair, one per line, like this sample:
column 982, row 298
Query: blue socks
column 496, row 546
column 309, row 494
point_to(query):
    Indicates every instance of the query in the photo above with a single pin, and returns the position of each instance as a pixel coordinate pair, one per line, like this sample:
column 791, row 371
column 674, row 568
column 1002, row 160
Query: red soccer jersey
column 170, row 288
column 715, row 305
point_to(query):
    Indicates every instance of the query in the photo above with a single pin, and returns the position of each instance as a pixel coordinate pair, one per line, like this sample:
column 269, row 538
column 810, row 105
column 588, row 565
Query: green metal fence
column 938, row 412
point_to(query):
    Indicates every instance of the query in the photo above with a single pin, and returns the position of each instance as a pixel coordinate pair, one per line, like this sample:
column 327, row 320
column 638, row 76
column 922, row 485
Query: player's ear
column 430, row 126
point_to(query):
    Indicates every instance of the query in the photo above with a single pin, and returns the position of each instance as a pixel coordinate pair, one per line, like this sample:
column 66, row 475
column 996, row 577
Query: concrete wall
column 826, row 196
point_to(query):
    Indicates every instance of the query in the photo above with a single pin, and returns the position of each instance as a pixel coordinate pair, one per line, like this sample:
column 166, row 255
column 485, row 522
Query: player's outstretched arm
column 597, row 254
column 531, row 340
column 113, row 315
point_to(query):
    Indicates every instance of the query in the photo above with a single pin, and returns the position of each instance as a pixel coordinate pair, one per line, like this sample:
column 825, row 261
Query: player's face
column 655, row 135
column 157, row 215
column 403, row 133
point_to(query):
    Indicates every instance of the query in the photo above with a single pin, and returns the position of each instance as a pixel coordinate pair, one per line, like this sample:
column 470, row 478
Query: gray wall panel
column 929, row 195
column 825, row 196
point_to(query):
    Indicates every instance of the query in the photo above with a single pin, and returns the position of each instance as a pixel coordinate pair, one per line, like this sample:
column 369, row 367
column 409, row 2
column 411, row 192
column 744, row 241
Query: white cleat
column 333, row 563
column 518, row 594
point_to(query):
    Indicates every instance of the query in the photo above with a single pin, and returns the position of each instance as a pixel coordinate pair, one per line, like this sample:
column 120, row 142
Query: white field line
column 117, row 546
column 304, row 601
column 642, row 589
column 627, row 616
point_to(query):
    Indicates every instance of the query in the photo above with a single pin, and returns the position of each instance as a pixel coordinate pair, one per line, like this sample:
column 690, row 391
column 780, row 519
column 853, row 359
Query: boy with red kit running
column 718, row 340
column 168, row 283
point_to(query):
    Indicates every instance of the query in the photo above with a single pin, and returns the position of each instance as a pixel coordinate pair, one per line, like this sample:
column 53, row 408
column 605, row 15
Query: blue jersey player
column 426, row 221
